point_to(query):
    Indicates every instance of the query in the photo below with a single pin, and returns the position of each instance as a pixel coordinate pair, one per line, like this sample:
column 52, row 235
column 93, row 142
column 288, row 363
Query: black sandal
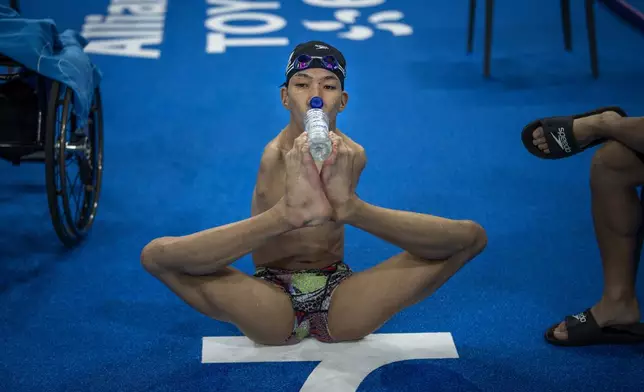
column 558, row 133
column 583, row 330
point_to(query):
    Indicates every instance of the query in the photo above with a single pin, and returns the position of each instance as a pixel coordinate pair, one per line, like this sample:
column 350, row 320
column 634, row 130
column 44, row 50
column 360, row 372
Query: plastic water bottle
column 316, row 124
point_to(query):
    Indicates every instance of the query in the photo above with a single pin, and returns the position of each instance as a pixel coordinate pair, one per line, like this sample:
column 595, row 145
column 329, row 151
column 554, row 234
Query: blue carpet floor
column 184, row 133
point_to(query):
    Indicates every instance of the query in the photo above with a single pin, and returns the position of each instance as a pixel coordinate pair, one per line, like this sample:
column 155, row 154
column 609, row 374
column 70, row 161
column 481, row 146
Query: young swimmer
column 302, row 285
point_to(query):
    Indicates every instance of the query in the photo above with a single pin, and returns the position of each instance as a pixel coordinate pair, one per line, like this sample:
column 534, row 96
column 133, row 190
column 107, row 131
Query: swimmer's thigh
column 261, row 311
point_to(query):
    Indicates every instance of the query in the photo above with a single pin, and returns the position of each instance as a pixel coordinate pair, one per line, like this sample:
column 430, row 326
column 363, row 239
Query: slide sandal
column 583, row 331
column 559, row 136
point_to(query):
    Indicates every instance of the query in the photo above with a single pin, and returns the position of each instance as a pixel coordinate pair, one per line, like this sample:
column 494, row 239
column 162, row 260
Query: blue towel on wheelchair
column 37, row 45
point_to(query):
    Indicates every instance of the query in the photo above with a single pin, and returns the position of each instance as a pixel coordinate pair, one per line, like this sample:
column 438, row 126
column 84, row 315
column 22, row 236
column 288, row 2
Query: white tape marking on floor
column 343, row 366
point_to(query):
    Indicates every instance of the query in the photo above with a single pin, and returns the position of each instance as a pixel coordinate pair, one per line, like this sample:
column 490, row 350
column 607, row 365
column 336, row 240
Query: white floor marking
column 343, row 366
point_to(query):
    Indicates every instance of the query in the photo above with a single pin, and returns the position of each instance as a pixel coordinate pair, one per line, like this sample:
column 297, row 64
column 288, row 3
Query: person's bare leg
column 609, row 125
column 197, row 266
column 617, row 213
column 629, row 131
column 434, row 248
column 366, row 300
column 262, row 312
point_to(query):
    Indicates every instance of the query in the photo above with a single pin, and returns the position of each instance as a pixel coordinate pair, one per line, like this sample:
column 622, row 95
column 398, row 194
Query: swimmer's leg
column 261, row 311
column 617, row 213
column 197, row 268
column 438, row 248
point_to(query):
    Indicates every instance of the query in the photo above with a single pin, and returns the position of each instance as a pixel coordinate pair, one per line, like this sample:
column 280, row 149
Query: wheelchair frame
column 56, row 143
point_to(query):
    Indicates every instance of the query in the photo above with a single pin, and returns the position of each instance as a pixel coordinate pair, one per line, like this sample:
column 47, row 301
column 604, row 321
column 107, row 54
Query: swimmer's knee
column 151, row 255
column 476, row 236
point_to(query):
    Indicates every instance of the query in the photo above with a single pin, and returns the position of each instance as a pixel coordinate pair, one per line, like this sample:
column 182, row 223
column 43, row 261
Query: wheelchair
column 38, row 125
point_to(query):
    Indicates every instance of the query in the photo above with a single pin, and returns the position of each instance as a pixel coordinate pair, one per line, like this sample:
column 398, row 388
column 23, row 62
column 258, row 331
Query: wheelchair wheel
column 73, row 195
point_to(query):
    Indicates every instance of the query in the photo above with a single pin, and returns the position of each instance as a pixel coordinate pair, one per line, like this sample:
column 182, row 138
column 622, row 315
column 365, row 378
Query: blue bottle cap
column 316, row 103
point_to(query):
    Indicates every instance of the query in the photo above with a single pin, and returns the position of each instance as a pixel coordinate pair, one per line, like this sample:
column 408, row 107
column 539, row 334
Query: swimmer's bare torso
column 305, row 248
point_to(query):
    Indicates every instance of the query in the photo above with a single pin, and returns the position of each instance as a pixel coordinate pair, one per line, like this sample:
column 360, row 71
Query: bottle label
column 316, row 124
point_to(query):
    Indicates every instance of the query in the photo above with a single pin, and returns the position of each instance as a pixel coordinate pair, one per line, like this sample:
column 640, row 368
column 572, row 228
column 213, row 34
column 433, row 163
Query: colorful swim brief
column 310, row 292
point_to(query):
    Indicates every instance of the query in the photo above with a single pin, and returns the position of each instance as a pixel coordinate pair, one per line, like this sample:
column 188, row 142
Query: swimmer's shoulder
column 270, row 163
column 271, row 155
column 355, row 146
column 268, row 177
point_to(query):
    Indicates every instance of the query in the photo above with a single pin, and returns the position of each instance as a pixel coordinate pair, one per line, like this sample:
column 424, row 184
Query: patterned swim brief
column 310, row 292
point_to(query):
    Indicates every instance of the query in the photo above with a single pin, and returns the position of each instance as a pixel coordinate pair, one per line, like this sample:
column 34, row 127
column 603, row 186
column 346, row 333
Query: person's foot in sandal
column 585, row 131
column 560, row 137
column 608, row 322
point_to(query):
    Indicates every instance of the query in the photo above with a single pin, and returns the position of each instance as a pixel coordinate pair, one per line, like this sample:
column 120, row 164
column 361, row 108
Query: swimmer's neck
column 290, row 133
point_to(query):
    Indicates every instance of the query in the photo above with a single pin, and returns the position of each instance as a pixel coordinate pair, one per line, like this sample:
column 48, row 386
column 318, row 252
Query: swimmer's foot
column 561, row 137
column 607, row 322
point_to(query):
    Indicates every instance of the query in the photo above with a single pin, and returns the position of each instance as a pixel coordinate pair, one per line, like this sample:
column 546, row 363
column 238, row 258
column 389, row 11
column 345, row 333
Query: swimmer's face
column 309, row 83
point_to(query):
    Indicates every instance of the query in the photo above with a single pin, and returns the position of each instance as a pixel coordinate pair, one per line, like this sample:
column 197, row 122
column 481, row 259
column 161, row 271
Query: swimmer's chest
column 271, row 182
column 269, row 189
